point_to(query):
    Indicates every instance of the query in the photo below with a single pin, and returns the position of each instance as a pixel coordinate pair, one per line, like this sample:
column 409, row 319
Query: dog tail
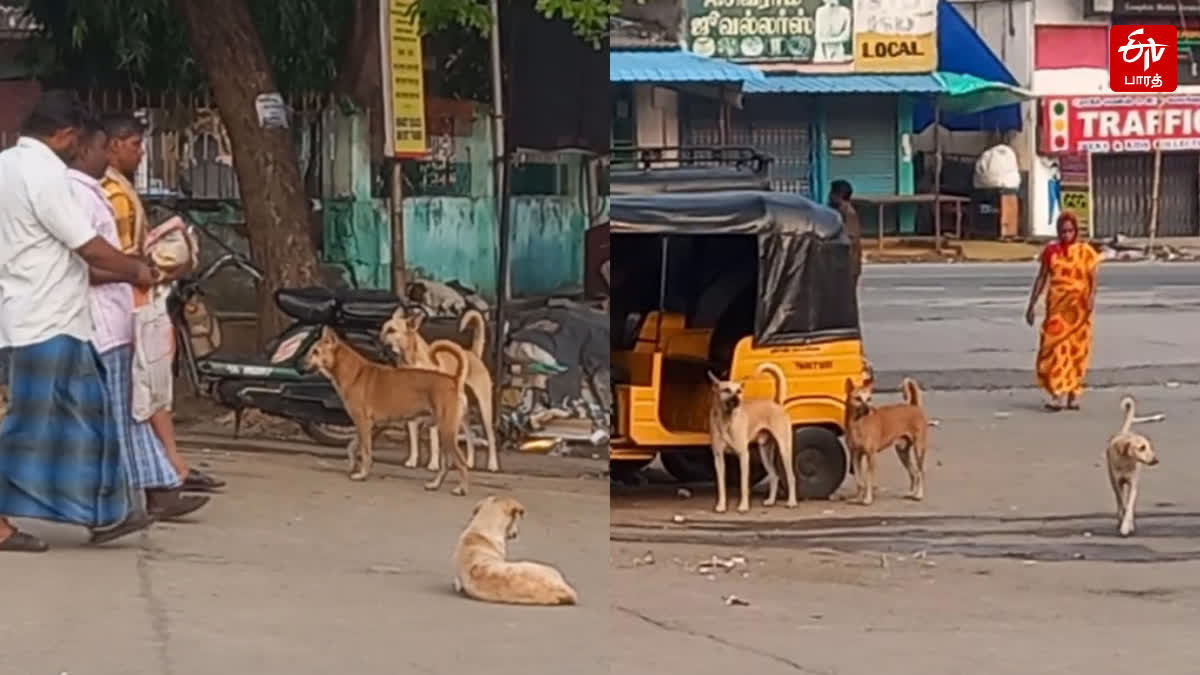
column 912, row 393
column 780, row 381
column 460, row 373
column 1130, row 408
column 474, row 319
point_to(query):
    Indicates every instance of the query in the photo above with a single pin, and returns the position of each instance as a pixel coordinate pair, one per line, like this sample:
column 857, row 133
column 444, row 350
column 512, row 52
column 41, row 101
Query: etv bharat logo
column 1143, row 59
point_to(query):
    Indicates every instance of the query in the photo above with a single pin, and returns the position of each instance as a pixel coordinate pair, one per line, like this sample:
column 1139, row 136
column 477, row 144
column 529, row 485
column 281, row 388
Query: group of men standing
column 72, row 272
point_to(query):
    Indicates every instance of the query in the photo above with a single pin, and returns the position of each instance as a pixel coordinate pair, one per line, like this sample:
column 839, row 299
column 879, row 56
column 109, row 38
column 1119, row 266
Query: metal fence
column 188, row 151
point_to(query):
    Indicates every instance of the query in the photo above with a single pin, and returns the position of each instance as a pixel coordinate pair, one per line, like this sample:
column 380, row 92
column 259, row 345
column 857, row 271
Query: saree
column 1065, row 347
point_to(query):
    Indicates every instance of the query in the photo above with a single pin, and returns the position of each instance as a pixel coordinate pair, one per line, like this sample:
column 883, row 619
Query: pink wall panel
column 1070, row 47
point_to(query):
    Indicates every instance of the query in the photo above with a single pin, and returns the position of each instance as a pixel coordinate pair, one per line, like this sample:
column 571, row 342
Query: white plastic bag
column 153, row 380
column 171, row 244
column 997, row 168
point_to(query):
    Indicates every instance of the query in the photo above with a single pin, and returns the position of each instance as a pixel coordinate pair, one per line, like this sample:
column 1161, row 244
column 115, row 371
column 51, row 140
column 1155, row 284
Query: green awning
column 967, row 94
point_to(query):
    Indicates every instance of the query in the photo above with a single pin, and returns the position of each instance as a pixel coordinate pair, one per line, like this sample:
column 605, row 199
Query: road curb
column 1014, row 379
column 512, row 463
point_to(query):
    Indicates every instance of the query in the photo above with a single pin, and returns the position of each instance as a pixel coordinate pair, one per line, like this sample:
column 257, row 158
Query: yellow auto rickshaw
column 724, row 281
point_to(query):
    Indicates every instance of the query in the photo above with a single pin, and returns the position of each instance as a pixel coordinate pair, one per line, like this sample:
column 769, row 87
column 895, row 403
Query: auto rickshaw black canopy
column 805, row 291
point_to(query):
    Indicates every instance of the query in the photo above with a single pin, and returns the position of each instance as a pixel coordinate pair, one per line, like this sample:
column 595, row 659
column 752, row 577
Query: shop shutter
column 1121, row 189
column 774, row 124
column 869, row 122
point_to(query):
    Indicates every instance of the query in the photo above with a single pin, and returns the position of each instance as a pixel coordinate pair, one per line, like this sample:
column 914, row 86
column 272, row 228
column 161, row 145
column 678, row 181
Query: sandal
column 20, row 542
column 178, row 506
column 198, row 481
column 1052, row 407
column 132, row 523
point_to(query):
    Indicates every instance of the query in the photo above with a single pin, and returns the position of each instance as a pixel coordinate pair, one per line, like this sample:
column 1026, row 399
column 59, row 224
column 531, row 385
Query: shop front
column 1126, row 164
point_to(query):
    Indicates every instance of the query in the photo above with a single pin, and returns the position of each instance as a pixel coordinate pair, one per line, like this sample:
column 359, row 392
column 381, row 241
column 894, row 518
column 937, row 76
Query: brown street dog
column 401, row 333
column 481, row 567
column 1126, row 453
column 734, row 422
column 377, row 396
column 870, row 430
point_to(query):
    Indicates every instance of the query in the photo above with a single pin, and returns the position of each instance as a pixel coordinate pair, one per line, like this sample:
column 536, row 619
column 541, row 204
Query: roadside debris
column 678, row 518
column 735, row 601
column 683, row 493
column 716, row 563
column 645, row 560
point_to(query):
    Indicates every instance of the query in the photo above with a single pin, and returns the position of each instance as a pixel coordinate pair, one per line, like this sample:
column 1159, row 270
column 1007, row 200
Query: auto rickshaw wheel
column 820, row 462
column 696, row 466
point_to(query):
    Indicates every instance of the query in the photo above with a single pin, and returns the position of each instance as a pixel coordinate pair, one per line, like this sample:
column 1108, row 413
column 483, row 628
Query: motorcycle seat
column 337, row 306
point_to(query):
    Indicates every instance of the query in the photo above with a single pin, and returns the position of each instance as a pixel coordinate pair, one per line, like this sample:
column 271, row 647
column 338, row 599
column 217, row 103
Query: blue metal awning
column 961, row 50
column 667, row 67
column 844, row 84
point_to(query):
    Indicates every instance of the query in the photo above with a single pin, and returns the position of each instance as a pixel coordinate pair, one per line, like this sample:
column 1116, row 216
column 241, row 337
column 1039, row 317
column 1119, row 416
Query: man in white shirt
column 111, row 304
column 59, row 456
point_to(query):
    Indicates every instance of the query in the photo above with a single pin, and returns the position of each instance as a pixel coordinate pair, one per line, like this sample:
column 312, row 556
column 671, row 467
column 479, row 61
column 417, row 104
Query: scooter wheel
column 332, row 435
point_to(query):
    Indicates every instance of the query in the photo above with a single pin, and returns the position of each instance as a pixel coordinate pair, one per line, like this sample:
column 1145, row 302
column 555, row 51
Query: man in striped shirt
column 111, row 303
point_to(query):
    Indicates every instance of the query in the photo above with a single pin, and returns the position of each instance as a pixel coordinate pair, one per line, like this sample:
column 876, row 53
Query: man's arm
column 65, row 220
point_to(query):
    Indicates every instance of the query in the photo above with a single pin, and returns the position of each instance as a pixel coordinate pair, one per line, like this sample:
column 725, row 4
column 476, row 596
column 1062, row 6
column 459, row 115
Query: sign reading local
column 895, row 36
column 1120, row 124
column 765, row 31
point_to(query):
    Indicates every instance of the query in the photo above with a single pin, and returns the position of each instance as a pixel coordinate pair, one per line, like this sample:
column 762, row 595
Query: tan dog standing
column 377, row 396
column 1126, row 453
column 481, row 567
column 734, row 422
column 870, row 430
column 401, row 333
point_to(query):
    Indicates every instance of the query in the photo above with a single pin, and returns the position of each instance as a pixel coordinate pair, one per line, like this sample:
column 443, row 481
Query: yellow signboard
column 895, row 36
column 406, row 120
column 1077, row 201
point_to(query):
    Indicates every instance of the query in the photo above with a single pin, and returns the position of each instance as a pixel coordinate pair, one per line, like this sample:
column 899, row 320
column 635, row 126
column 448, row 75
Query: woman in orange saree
column 1068, row 277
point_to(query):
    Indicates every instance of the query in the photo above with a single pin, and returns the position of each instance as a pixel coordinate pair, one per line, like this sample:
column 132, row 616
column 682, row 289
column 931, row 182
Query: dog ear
column 515, row 509
column 415, row 320
column 327, row 333
column 479, row 505
column 849, row 385
column 713, row 378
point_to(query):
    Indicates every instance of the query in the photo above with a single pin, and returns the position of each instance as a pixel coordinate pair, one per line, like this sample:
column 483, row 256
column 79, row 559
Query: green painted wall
column 453, row 239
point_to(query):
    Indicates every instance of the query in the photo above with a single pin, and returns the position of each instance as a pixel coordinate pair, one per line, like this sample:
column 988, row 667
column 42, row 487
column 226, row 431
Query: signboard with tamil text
column 895, row 36
column 819, row 32
column 1140, row 123
column 405, row 99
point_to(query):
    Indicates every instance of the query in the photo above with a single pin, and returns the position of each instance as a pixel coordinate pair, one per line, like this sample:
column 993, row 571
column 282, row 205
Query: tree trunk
column 277, row 211
column 360, row 71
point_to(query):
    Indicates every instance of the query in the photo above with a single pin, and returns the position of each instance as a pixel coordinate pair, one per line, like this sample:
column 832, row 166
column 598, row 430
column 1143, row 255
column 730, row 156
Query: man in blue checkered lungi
column 59, row 456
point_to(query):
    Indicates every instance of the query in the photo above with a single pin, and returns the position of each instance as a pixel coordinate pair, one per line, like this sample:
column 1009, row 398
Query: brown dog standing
column 377, row 396
column 870, row 430
column 402, row 334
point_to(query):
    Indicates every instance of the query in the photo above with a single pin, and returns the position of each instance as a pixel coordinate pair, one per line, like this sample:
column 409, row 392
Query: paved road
column 1010, row 566
column 962, row 326
column 298, row 571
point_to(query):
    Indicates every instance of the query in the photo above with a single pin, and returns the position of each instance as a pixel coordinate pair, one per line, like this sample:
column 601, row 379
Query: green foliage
column 143, row 43
column 119, row 43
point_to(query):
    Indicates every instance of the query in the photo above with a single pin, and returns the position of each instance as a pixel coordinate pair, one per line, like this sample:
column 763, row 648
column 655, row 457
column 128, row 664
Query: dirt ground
column 1011, row 565
column 297, row 570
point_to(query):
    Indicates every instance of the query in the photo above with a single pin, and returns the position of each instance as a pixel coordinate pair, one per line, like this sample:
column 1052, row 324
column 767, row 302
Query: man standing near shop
column 124, row 132
column 59, row 457
column 840, row 193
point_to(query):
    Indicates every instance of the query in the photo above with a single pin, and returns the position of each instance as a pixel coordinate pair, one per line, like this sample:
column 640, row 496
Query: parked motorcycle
column 278, row 383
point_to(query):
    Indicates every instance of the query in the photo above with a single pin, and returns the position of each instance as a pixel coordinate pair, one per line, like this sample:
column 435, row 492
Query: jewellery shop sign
column 1105, row 124
column 772, row 31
